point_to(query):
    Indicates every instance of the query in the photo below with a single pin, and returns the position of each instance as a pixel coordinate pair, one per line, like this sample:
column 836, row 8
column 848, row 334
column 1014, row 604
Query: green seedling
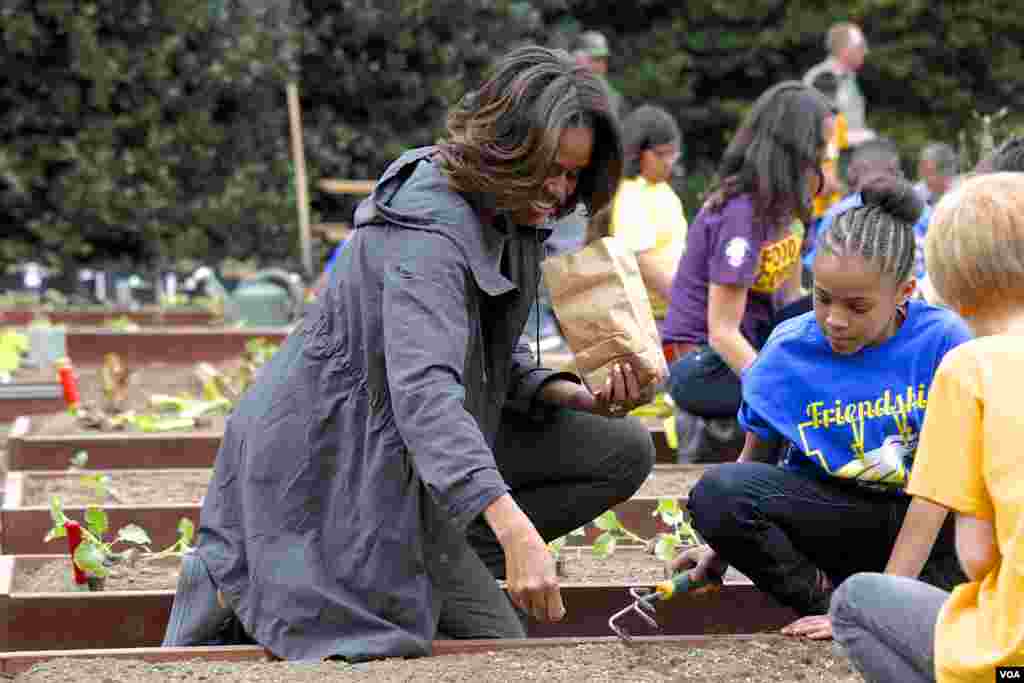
column 94, row 554
column 668, row 545
column 13, row 345
column 186, row 532
column 259, row 350
column 97, row 482
column 665, row 545
column 190, row 408
column 612, row 532
column 155, row 423
column 556, row 546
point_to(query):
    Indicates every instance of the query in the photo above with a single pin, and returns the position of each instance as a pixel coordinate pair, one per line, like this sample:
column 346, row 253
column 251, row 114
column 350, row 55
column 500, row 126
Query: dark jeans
column 779, row 528
column 564, row 472
column 712, row 390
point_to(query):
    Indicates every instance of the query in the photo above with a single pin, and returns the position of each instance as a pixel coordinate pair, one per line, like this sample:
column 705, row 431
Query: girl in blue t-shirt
column 840, row 395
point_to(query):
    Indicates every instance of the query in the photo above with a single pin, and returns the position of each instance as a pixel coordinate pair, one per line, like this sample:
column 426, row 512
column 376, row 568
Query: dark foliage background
column 155, row 132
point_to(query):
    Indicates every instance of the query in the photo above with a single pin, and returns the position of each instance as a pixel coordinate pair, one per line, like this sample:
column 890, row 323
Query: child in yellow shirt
column 969, row 461
column 647, row 215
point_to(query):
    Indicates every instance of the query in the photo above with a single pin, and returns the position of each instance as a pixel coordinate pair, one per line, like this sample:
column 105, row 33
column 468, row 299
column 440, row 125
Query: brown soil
column 146, row 380
column 669, row 483
column 769, row 659
column 145, row 575
column 580, row 566
column 35, row 376
column 187, row 486
column 132, row 487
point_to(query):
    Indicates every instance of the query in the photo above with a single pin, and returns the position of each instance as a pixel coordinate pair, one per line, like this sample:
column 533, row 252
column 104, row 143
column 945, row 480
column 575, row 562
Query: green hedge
column 156, row 132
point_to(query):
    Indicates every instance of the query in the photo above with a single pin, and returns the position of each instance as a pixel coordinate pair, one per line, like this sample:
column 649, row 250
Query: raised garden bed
column 59, row 619
column 157, row 498
column 48, row 443
column 175, row 345
column 32, row 392
column 753, row 659
column 99, row 316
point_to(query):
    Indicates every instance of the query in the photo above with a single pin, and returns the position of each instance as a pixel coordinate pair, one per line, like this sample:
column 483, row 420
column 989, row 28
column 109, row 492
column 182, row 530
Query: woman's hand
column 703, row 563
column 531, row 578
column 621, row 393
column 529, row 566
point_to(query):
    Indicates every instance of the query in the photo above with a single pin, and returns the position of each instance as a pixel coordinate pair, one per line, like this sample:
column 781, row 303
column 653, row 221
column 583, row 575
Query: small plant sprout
column 612, row 532
column 667, row 545
column 664, row 545
column 556, row 546
column 97, row 482
column 186, row 532
column 94, row 555
column 12, row 346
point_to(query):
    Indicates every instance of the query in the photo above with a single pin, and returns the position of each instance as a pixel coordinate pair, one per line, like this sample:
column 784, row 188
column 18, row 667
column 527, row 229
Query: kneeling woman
column 402, row 450
column 842, row 392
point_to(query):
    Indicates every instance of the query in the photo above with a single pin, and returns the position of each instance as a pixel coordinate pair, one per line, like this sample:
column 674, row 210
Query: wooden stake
column 301, row 191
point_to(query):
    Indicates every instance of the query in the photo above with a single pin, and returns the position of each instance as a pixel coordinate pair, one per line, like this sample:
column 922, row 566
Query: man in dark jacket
column 402, row 450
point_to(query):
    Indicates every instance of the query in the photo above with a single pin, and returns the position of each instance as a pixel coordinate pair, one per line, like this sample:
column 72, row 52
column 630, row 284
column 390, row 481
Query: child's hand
column 703, row 563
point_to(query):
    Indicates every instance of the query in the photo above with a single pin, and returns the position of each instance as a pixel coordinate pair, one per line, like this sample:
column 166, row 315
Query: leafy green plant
column 668, row 545
column 556, row 546
column 218, row 386
column 94, row 555
column 186, row 532
column 613, row 532
column 13, row 345
column 664, row 545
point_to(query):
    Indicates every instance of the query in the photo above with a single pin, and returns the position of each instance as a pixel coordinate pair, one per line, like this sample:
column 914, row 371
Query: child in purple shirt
column 743, row 252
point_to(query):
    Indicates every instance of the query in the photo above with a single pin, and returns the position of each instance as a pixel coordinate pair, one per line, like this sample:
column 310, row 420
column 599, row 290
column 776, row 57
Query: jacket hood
column 413, row 193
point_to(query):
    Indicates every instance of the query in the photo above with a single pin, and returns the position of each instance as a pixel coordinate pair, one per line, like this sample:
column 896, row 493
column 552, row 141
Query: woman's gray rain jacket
column 374, row 424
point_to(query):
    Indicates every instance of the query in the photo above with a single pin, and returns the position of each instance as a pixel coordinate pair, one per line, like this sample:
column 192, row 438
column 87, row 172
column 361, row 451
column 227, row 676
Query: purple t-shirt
column 727, row 247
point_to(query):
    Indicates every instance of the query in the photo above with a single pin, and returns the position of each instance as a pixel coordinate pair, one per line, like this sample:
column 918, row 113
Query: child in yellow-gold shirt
column 970, row 461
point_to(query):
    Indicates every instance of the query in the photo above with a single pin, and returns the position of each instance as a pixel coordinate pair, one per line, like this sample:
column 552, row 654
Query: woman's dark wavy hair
column 780, row 139
column 503, row 138
column 646, row 127
column 882, row 230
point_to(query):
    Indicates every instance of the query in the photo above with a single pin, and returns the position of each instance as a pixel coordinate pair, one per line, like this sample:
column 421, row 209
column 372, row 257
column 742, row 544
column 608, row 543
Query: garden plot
column 157, row 499
column 177, row 345
column 132, row 416
column 758, row 659
column 34, row 616
column 105, row 316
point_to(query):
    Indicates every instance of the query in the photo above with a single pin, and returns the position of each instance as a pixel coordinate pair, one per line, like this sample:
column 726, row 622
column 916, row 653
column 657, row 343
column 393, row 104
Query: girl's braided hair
column 881, row 231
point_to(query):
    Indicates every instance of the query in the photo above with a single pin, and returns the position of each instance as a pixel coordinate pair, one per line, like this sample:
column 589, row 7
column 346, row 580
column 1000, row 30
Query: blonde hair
column 975, row 244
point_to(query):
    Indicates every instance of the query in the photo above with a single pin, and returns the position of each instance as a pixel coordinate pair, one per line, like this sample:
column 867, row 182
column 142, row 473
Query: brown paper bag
column 601, row 303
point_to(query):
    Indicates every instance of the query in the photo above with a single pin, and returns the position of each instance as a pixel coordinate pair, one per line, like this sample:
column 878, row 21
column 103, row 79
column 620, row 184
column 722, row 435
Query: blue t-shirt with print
column 853, row 417
column 853, row 201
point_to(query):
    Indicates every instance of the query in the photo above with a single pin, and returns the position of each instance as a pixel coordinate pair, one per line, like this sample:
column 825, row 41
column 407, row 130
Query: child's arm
column 757, row 449
column 976, row 546
column 920, row 528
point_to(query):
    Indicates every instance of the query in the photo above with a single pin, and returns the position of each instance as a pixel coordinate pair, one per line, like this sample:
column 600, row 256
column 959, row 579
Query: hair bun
column 894, row 196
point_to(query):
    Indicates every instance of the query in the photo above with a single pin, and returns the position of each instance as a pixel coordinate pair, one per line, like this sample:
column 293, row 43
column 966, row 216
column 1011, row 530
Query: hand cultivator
column 645, row 600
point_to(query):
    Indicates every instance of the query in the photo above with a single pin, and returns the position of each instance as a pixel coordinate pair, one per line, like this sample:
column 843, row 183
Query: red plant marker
column 74, row 530
column 68, row 382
